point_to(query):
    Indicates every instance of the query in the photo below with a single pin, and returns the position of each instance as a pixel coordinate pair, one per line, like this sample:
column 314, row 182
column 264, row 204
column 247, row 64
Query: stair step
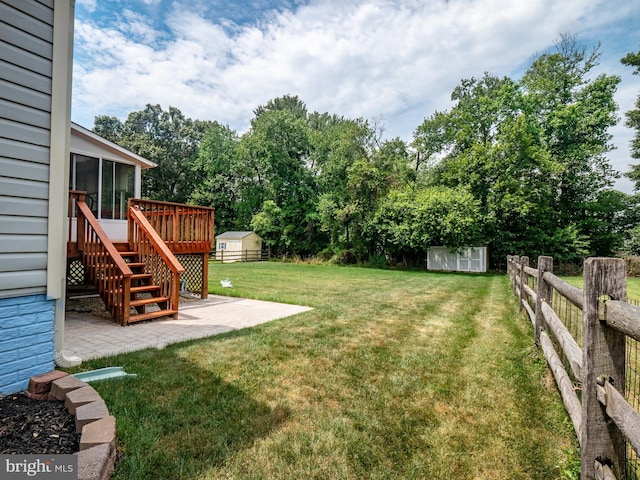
column 150, row 315
column 128, row 253
column 135, row 264
column 135, row 276
column 140, row 276
column 145, row 288
column 147, row 301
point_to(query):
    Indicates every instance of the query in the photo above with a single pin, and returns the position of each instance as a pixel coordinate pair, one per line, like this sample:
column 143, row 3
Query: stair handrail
column 99, row 256
column 142, row 233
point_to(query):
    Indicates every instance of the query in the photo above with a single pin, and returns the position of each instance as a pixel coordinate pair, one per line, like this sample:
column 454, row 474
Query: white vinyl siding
column 26, row 52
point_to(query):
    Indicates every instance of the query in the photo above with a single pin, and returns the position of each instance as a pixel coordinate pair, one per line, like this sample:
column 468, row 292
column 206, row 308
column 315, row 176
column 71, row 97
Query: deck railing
column 184, row 228
column 105, row 267
column 155, row 254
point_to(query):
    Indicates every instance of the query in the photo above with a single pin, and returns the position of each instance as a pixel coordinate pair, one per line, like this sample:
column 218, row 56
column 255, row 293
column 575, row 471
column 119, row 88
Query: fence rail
column 604, row 417
column 228, row 256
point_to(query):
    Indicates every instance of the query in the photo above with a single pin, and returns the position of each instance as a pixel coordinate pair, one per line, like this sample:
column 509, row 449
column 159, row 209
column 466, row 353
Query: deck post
column 204, row 293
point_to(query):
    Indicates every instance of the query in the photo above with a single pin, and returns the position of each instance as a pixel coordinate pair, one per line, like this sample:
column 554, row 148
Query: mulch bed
column 30, row 426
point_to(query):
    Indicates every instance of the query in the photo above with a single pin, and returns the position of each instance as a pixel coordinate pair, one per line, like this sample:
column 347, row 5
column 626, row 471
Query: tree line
column 519, row 166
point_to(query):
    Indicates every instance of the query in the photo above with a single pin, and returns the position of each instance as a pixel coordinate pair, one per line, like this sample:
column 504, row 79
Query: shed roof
column 234, row 235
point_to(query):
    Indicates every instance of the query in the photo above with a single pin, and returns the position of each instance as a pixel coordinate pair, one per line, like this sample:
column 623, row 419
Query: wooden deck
column 184, row 228
column 187, row 229
column 144, row 270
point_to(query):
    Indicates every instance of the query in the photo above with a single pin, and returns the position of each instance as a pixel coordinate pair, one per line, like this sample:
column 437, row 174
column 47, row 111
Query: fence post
column 543, row 294
column 514, row 272
column 603, row 353
column 524, row 280
column 509, row 267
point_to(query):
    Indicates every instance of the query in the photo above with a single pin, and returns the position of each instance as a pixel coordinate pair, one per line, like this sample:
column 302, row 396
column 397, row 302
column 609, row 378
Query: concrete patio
column 89, row 336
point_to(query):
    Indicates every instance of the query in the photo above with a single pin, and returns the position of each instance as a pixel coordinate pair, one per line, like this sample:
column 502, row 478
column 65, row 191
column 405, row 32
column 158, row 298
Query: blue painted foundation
column 26, row 340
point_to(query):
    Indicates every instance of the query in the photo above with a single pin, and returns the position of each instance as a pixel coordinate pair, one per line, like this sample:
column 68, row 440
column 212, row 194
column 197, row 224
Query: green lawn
column 633, row 286
column 393, row 375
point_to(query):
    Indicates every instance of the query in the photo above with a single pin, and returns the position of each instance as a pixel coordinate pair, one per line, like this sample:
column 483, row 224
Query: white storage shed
column 238, row 247
column 468, row 259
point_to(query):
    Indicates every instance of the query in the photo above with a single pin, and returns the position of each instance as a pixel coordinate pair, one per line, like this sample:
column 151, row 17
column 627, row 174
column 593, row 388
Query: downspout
column 63, row 17
column 59, row 358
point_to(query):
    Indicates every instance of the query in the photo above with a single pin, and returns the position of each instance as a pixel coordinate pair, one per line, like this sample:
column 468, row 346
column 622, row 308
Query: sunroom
column 109, row 174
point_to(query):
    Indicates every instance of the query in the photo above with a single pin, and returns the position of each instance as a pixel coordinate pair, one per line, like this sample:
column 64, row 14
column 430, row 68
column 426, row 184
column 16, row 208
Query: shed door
column 472, row 260
column 464, row 260
column 476, row 262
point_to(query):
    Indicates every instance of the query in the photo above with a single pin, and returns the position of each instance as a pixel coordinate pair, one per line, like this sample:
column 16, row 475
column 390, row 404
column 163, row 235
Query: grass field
column 633, row 286
column 393, row 375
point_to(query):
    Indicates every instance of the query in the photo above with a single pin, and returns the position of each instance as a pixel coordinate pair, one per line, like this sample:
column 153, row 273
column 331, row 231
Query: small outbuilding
column 238, row 247
column 467, row 259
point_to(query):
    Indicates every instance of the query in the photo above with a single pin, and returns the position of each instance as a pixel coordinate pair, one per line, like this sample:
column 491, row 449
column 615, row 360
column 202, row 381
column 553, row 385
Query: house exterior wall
column 26, row 345
column 26, row 43
column 35, row 71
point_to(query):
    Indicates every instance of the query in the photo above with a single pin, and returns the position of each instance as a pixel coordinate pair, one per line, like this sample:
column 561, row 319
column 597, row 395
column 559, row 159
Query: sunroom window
column 109, row 185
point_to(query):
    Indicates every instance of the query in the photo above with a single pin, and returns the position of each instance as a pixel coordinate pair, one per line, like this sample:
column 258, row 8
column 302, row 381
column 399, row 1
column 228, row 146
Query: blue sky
column 393, row 62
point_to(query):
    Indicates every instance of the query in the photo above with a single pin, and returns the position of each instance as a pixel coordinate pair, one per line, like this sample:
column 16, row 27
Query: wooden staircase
column 146, row 299
column 141, row 283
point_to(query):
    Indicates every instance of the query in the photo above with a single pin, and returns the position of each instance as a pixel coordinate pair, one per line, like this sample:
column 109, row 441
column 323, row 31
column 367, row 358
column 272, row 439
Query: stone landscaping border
column 97, row 429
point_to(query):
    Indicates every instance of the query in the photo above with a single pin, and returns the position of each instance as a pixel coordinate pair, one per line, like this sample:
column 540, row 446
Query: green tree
column 275, row 154
column 407, row 222
column 221, row 177
column 432, row 139
column 337, row 144
column 168, row 139
column 633, row 121
column 360, row 182
column 532, row 153
column 608, row 221
column 493, row 149
column 288, row 103
column 108, row 127
column 574, row 114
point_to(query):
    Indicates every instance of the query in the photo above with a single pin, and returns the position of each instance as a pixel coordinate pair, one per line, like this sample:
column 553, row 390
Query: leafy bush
column 633, row 265
column 377, row 261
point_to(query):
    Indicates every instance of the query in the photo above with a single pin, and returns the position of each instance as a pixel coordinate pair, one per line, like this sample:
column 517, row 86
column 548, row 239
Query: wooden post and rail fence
column 590, row 370
column 227, row 256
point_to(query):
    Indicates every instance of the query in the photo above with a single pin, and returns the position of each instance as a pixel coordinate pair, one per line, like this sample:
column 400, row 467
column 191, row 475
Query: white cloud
column 89, row 5
column 393, row 59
